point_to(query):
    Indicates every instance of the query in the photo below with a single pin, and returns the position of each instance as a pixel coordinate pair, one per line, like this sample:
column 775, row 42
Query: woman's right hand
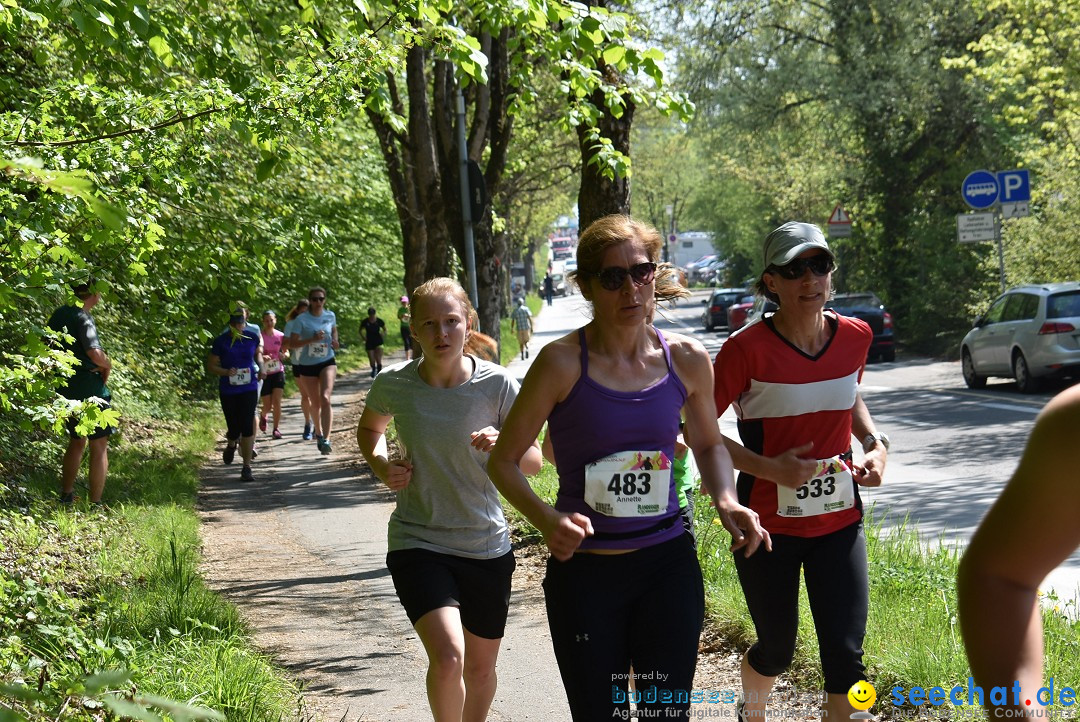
column 565, row 534
column 396, row 474
column 791, row 469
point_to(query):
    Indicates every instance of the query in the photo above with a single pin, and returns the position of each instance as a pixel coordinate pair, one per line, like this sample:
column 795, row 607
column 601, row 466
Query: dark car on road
column 868, row 307
column 715, row 314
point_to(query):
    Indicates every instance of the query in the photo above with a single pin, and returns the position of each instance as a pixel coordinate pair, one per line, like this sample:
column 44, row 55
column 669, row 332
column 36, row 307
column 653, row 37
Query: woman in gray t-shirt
column 448, row 549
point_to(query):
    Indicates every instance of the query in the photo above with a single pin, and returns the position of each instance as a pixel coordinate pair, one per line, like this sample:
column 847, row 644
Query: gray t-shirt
column 450, row 505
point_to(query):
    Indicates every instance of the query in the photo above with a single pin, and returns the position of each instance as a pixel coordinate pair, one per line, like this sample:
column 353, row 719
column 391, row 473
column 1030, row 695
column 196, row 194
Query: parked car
column 737, row 312
column 558, row 282
column 715, row 314
column 1029, row 333
column 707, row 273
column 693, row 266
column 759, row 308
column 868, row 307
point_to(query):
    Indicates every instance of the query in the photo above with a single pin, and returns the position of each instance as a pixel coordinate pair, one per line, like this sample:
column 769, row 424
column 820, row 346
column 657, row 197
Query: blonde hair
column 442, row 286
column 610, row 231
column 297, row 309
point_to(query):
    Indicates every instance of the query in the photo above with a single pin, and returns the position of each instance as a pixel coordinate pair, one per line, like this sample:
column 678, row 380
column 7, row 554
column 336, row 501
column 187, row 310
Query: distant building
column 690, row 246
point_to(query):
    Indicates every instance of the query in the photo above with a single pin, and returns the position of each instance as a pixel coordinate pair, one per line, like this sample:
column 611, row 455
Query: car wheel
column 707, row 322
column 1025, row 382
column 889, row 355
column 972, row 379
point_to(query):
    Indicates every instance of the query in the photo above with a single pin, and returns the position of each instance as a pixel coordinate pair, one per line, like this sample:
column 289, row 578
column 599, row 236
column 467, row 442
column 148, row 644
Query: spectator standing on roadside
column 521, row 322
column 372, row 332
column 305, row 398
column 89, row 383
column 623, row 586
column 449, row 550
column 1029, row 530
column 274, row 384
column 549, row 288
column 236, row 359
column 404, row 317
column 315, row 335
column 793, row 377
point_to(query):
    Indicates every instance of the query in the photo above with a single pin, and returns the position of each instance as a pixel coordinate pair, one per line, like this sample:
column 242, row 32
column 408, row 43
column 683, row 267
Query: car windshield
column 1063, row 305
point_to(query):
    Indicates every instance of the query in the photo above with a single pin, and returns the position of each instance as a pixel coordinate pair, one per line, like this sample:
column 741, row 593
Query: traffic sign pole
column 1005, row 193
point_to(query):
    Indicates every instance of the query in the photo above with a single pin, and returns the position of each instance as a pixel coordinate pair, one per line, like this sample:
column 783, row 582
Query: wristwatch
column 870, row 440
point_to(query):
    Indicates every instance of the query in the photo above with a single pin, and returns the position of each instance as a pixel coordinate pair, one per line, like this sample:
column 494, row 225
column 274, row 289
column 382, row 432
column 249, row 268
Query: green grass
column 912, row 636
column 84, row 591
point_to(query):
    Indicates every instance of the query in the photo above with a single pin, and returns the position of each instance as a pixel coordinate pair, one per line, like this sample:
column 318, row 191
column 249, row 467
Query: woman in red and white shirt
column 793, row 377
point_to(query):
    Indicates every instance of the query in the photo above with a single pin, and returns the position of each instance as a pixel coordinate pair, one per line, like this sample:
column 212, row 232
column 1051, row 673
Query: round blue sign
column 980, row 189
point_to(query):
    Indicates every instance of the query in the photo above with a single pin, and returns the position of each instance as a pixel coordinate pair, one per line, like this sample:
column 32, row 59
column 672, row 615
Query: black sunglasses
column 320, row 299
column 613, row 277
column 821, row 265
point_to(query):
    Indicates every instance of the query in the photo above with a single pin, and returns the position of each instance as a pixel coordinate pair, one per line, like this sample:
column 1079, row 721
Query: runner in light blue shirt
column 314, row 336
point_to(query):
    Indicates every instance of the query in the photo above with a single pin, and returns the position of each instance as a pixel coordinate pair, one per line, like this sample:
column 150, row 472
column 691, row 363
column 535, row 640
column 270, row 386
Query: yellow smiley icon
column 862, row 695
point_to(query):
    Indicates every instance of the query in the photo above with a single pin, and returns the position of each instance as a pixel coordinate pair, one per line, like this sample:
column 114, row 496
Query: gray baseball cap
column 790, row 240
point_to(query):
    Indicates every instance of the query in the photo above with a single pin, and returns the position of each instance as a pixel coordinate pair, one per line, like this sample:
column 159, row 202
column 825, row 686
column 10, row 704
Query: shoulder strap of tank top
column 584, row 352
column 667, row 351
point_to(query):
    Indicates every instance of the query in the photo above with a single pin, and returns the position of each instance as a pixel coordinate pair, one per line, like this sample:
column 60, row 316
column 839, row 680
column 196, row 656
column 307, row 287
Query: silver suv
column 1030, row 333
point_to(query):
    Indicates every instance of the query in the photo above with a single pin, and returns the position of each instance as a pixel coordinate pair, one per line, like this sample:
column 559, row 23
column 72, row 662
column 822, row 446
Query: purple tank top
column 592, row 424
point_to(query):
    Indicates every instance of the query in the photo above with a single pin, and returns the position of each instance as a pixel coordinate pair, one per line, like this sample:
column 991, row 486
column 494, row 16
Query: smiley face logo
column 862, row 695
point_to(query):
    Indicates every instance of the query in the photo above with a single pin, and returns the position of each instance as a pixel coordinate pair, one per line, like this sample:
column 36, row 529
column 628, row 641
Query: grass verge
column 912, row 636
column 117, row 591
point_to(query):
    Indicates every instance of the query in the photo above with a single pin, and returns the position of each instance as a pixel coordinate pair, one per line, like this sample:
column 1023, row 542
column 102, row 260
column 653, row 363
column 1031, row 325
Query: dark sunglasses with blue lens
column 820, row 264
column 613, row 277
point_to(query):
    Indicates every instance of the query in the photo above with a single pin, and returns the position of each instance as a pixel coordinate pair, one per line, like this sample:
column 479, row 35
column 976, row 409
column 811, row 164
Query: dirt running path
column 301, row 552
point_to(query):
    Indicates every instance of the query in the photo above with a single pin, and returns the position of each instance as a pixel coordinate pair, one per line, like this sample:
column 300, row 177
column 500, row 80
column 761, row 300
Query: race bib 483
column 629, row 484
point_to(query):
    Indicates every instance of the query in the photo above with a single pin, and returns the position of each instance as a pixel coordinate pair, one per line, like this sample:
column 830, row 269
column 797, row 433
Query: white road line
column 1011, row 407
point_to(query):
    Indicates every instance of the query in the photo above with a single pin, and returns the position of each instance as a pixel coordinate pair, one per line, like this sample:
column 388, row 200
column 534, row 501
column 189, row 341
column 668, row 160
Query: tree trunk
column 599, row 196
column 399, row 171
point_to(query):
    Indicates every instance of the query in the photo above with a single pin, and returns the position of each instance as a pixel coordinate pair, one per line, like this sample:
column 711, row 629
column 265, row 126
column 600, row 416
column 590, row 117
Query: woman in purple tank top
column 623, row 586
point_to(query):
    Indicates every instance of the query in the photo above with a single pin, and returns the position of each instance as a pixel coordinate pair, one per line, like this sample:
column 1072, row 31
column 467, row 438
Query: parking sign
column 1013, row 186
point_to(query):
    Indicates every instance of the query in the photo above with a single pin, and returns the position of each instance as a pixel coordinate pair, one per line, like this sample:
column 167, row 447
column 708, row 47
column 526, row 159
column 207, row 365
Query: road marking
column 904, row 420
column 1010, row 407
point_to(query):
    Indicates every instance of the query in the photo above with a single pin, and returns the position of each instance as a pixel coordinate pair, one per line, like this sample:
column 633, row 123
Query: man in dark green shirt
column 89, row 382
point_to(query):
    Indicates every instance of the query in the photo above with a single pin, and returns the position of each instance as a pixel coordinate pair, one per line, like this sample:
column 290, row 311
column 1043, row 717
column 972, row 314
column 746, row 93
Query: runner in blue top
column 315, row 337
column 235, row 357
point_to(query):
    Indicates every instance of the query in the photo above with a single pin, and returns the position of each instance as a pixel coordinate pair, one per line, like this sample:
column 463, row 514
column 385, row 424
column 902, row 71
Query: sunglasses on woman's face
column 821, row 265
column 317, row 299
column 613, row 277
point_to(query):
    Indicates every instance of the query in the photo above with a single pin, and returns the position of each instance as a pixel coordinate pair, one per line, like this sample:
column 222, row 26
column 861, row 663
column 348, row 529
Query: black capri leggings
column 239, row 410
column 608, row 611
column 834, row 566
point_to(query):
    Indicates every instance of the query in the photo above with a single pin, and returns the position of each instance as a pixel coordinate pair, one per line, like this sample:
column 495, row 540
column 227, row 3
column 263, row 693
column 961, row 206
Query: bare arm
column 104, row 365
column 213, row 365
column 551, row 375
column 862, row 425
column 1030, row 529
column 703, row 437
column 371, row 438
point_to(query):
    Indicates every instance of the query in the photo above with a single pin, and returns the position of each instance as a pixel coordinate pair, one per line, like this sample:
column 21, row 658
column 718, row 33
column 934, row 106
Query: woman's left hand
column 745, row 528
column 334, row 344
column 484, row 439
column 873, row 467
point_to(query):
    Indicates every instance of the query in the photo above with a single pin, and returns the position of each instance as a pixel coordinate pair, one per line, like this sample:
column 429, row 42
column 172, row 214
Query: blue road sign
column 1013, row 186
column 980, row 189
